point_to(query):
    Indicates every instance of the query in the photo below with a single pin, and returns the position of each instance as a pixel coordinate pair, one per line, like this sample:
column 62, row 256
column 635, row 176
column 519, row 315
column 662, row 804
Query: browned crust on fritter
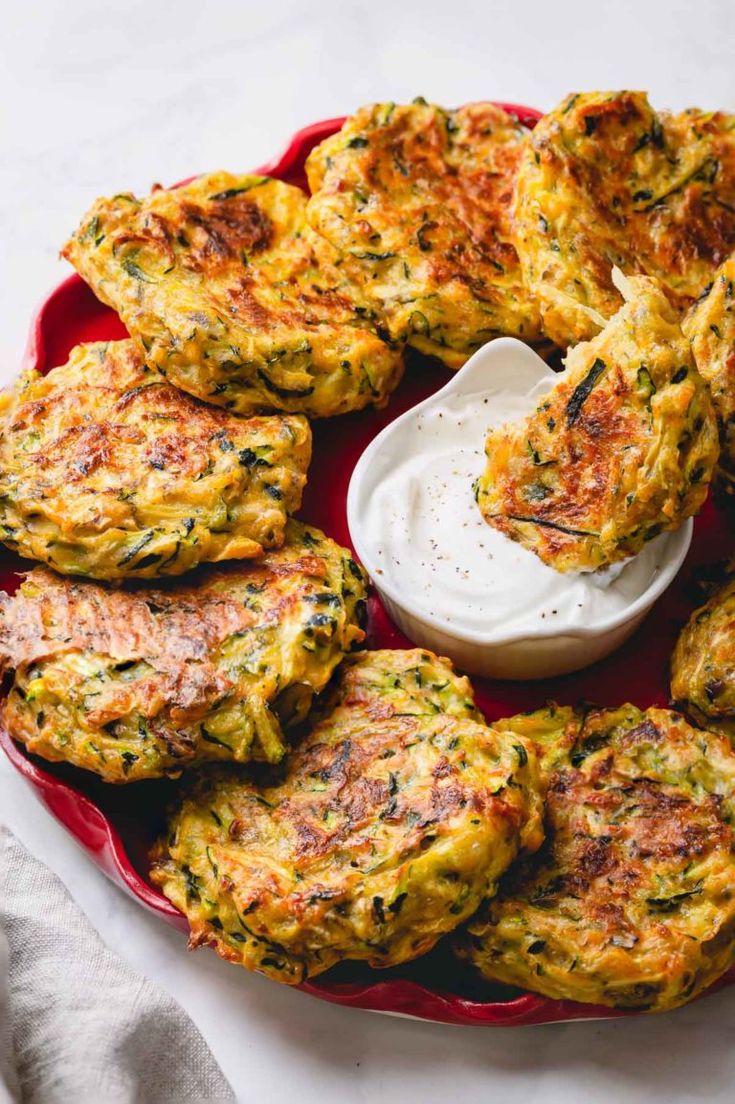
column 622, row 447
column 234, row 300
column 418, row 200
column 138, row 683
column 108, row 471
column 65, row 616
column 392, row 818
column 605, row 181
column 630, row 901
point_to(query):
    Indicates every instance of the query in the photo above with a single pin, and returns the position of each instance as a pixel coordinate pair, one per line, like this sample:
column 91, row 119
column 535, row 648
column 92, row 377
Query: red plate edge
column 87, row 823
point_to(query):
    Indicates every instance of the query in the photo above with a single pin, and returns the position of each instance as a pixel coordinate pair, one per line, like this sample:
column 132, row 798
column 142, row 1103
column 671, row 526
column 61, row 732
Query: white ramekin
column 495, row 653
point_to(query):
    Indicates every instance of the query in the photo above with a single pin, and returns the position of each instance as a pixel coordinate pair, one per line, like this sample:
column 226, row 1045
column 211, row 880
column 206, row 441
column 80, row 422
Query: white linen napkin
column 76, row 1023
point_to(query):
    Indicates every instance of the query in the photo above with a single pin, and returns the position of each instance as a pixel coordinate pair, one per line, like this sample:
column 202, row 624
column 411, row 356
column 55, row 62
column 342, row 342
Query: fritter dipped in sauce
column 622, row 448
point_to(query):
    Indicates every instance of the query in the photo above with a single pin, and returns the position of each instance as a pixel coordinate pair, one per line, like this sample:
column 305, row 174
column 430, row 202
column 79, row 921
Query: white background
column 100, row 97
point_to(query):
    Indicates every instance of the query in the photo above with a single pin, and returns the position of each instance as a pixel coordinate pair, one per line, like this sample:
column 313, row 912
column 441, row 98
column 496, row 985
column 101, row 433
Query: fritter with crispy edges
column 233, row 298
column 605, row 180
column 710, row 326
column 397, row 813
column 107, row 470
column 703, row 663
column 140, row 683
column 417, row 199
column 622, row 447
column 630, row 902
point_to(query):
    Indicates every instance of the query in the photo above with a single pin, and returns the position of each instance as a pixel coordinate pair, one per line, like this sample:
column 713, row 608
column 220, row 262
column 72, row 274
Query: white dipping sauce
column 431, row 544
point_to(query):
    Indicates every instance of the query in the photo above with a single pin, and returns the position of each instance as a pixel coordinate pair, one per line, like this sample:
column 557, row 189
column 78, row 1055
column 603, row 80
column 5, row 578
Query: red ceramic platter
column 116, row 824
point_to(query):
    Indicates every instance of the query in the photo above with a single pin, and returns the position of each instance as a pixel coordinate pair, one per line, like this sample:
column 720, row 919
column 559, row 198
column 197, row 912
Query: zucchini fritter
column 703, row 664
column 417, row 199
column 140, row 683
column 233, row 297
column 622, row 447
column 710, row 326
column 397, row 813
column 605, row 180
column 630, row 903
column 107, row 470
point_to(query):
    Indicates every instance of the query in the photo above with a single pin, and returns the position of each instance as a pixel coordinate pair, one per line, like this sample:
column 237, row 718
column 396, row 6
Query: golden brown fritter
column 703, row 663
column 630, row 903
column 417, row 199
column 605, row 180
column 710, row 326
column 233, row 298
column 107, row 470
column 140, row 683
column 622, row 447
column 395, row 815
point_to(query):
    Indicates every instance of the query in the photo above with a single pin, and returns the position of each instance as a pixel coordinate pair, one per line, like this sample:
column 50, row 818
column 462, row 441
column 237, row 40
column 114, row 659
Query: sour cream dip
column 417, row 528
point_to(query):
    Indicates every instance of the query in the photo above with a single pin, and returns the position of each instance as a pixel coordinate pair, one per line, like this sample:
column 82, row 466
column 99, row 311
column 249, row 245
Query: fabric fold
column 76, row 1023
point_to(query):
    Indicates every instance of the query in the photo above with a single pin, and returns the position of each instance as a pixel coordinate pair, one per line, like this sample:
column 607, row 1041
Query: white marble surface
column 108, row 96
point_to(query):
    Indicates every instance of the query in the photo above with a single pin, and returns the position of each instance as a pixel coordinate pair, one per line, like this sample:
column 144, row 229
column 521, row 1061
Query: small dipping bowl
column 445, row 435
